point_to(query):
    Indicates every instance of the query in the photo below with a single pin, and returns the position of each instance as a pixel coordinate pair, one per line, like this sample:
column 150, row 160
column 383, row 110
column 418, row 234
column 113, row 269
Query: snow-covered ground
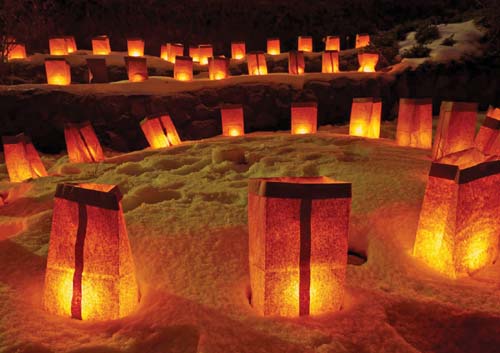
column 185, row 209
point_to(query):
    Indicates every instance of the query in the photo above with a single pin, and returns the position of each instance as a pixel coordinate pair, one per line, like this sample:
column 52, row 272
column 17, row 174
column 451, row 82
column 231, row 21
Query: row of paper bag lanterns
column 298, row 227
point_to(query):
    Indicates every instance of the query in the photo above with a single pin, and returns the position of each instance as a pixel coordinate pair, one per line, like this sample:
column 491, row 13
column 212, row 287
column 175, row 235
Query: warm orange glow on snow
column 305, row 44
column 256, row 63
column 273, row 46
column 58, row 72
column 100, row 45
column 232, row 120
column 362, row 40
column 183, row 68
column 90, row 271
column 16, row 51
column 296, row 63
column 330, row 62
column 82, row 143
column 22, row 159
column 238, row 50
column 58, row 46
column 160, row 131
column 365, row 117
column 304, row 118
column 135, row 47
column 137, row 68
column 367, row 62
column 218, row 68
column 415, row 123
column 298, row 244
column 206, row 51
column 175, row 50
column 332, row 43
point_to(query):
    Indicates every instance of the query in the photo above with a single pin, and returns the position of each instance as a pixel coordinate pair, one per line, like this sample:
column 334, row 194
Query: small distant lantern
column 160, row 131
column 194, row 53
column 175, row 50
column 458, row 227
column 232, row 120
column 22, row 159
column 58, row 46
column 304, row 118
column 90, row 269
column 16, row 51
column 298, row 230
column 488, row 137
column 256, row 62
column 332, row 43
column 206, row 51
column 58, row 72
column 362, row 40
column 273, row 46
column 164, row 51
column 70, row 44
column 238, row 50
column 305, row 44
column 296, row 63
column 137, row 68
column 414, row 127
column 100, row 45
column 218, row 68
column 183, row 68
column 367, row 62
column 365, row 117
column 97, row 70
column 456, row 128
column 135, row 47
column 82, row 143
column 330, row 61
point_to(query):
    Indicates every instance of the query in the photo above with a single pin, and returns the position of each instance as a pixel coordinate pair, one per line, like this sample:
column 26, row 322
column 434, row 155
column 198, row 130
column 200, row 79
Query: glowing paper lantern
column 16, row 51
column 135, row 47
column 415, row 123
column 238, row 50
column 164, row 51
column 298, row 231
column 296, row 63
column 367, row 62
column 232, row 120
column 194, row 53
column 362, row 40
column 58, row 46
column 22, row 159
column 175, row 50
column 70, row 44
column 365, row 117
column 160, row 131
column 456, row 128
column 97, row 70
column 90, row 270
column 100, row 45
column 332, row 43
column 206, row 51
column 256, row 63
column 304, row 118
column 183, row 68
column 273, row 46
column 459, row 224
column 305, row 44
column 82, row 143
column 330, row 61
column 488, row 137
column 137, row 68
column 218, row 68
column 58, row 71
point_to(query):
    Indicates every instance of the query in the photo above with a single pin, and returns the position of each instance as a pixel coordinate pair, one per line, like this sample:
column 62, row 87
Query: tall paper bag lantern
column 273, row 46
column 330, row 61
column 100, row 45
column 296, row 63
column 365, row 117
column 414, row 127
column 256, row 63
column 16, row 51
column 238, row 50
column 175, row 50
column 456, row 128
column 90, row 270
column 218, row 68
column 332, row 43
column 232, row 120
column 160, row 131
column 305, row 44
column 206, row 51
column 362, row 40
column 135, row 47
column 298, row 230
column 183, row 68
column 97, row 70
column 304, row 118
column 488, row 137
column 459, row 225
column 137, row 68
column 194, row 53
column 70, row 44
column 58, row 46
column 82, row 143
column 58, row 71
column 164, row 51
column 367, row 62
column 22, row 159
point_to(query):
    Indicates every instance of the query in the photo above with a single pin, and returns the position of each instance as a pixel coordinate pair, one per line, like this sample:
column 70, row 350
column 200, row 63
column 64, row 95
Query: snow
column 185, row 209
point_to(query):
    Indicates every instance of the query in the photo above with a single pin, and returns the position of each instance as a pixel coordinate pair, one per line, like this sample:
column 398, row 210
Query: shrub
column 449, row 41
column 427, row 34
column 417, row 51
